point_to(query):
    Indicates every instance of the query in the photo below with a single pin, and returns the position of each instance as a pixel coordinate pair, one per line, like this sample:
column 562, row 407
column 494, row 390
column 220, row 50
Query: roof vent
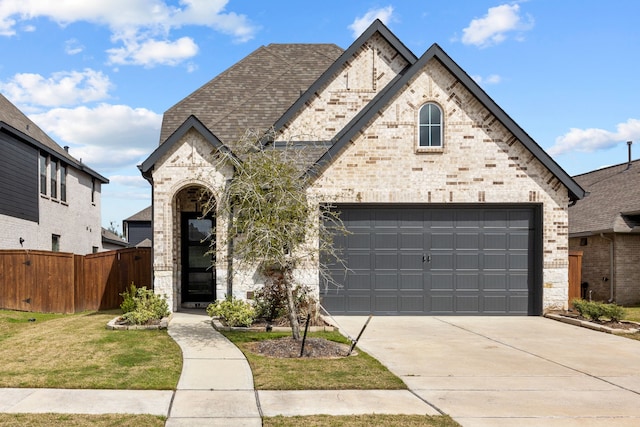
column 66, row 148
column 629, row 148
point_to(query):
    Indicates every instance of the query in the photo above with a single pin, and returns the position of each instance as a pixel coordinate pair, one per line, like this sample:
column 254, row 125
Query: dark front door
column 198, row 263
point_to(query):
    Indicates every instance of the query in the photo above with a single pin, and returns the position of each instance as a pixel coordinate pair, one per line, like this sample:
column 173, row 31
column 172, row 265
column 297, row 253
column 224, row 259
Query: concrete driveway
column 509, row 371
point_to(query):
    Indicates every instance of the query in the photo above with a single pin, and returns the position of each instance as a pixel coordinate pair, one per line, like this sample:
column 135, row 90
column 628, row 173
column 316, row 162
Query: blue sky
column 98, row 75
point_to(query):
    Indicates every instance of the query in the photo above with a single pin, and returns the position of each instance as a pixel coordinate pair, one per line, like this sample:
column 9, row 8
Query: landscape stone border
column 594, row 326
column 114, row 325
column 218, row 326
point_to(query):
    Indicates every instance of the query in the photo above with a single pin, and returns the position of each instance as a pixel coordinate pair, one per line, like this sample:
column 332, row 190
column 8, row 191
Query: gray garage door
column 418, row 260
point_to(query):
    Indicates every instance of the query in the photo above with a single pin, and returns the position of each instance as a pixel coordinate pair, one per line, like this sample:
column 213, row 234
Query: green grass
column 76, row 420
column 77, row 351
column 360, row 372
column 632, row 313
column 377, row 420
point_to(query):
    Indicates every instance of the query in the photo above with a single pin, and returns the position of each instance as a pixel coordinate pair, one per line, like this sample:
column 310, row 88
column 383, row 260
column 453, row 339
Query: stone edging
column 164, row 323
column 591, row 325
column 220, row 327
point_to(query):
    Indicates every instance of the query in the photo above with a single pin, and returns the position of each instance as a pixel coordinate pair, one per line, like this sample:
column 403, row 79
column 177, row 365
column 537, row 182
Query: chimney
column 66, row 148
column 629, row 148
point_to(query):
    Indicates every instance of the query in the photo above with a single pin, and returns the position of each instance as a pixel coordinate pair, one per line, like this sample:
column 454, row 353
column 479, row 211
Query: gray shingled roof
column 254, row 92
column 612, row 202
column 143, row 215
column 17, row 123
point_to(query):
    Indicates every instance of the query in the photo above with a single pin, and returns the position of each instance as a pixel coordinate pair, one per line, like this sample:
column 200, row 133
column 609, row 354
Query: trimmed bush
column 141, row 306
column 235, row 312
column 597, row 310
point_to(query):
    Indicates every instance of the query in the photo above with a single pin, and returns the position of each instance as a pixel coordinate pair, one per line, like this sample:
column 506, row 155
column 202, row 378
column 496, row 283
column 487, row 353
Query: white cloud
column 60, row 89
column 360, row 24
column 492, row 79
column 104, row 137
column 495, row 25
column 73, row 47
column 593, row 139
column 135, row 24
column 153, row 52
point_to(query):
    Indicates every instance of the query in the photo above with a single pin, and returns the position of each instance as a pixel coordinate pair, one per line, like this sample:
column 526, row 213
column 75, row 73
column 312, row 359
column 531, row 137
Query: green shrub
column 142, row 305
column 597, row 310
column 233, row 311
column 129, row 302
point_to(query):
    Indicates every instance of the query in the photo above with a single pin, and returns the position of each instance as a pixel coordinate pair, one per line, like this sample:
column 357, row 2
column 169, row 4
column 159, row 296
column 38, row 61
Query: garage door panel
column 442, row 241
column 441, row 304
column 386, row 303
column 467, row 304
column 411, row 282
column 467, row 281
column 359, row 240
column 495, row 282
column 411, row 261
column 385, row 281
column 494, row 261
column 467, row 241
column 467, row 261
column 358, row 303
column 441, row 281
column 412, row 304
column 438, row 260
column 441, row 261
column 518, row 261
column 360, row 261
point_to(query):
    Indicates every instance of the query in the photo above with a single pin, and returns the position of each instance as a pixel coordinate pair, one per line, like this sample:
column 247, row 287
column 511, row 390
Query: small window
column 54, row 178
column 583, row 241
column 94, row 249
column 430, row 126
column 93, row 190
column 43, row 174
column 55, row 243
column 63, row 182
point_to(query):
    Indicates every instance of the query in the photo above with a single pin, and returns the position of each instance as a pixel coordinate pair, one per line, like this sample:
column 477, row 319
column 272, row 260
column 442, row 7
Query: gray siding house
column 48, row 199
column 453, row 209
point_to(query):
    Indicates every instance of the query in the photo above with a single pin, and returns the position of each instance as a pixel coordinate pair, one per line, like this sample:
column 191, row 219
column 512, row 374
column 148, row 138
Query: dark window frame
column 431, row 126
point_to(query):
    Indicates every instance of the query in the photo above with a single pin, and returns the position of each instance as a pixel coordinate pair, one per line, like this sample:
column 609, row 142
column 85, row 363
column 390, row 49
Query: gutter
column 611, row 269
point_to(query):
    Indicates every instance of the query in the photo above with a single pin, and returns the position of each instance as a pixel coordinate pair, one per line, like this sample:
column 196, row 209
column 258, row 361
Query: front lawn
column 77, row 420
column 360, row 372
column 632, row 313
column 378, row 420
column 77, row 351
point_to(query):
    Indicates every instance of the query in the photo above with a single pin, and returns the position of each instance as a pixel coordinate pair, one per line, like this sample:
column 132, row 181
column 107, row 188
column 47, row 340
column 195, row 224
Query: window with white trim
column 430, row 128
column 43, row 173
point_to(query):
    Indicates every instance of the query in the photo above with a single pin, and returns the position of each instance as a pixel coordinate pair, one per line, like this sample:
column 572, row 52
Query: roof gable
column 191, row 123
column 376, row 27
column 385, row 96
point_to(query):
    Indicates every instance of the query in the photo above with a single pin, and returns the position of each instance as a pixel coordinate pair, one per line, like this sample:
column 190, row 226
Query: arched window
column 430, row 126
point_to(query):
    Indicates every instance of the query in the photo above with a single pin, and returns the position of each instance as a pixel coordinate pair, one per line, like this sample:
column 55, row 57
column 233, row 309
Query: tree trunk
column 293, row 312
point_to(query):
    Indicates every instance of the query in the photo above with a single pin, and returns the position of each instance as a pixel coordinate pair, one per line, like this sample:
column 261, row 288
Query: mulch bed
column 287, row 347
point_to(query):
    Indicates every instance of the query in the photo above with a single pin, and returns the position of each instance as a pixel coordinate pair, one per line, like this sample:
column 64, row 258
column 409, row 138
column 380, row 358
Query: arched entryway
column 194, row 248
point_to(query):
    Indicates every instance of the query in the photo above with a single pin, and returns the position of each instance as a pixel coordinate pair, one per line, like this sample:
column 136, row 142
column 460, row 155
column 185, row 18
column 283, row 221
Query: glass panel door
column 198, row 263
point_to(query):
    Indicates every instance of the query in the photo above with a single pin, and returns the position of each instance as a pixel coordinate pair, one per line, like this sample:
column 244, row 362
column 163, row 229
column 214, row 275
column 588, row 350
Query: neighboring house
column 605, row 226
column 137, row 228
column 111, row 241
column 48, row 199
column 453, row 208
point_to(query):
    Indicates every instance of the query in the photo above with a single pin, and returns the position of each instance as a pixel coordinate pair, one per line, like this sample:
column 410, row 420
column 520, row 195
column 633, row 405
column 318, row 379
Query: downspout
column 611, row 269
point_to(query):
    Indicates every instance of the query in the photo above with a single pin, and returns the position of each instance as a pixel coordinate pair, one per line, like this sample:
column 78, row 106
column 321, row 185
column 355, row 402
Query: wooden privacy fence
column 57, row 282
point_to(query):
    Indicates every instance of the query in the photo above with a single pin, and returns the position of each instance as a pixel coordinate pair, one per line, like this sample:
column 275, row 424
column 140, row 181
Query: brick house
column 48, row 199
column 605, row 227
column 453, row 208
